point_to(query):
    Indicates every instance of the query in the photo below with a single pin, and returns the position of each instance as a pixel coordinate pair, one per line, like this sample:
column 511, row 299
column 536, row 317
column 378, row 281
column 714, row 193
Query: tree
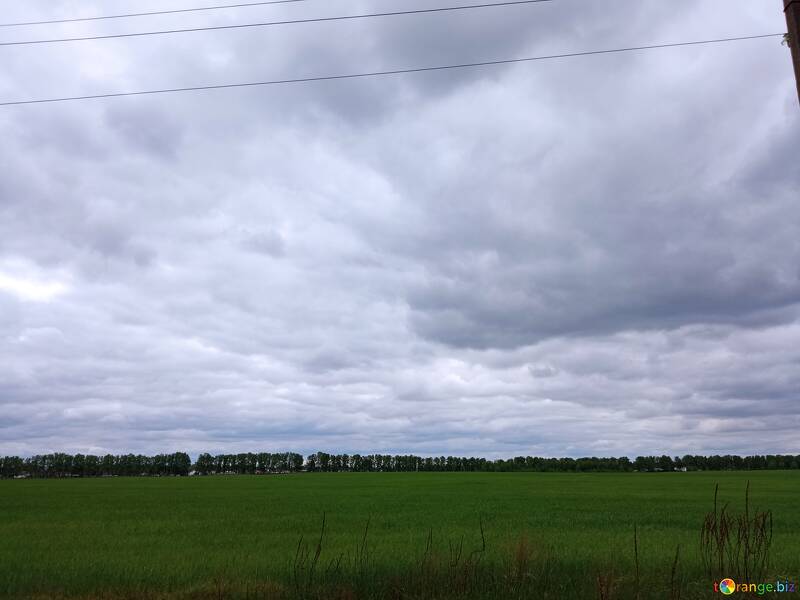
column 205, row 464
column 664, row 463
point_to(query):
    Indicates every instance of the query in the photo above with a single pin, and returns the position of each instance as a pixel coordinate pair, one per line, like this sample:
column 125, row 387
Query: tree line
column 322, row 461
column 249, row 463
column 179, row 463
column 89, row 465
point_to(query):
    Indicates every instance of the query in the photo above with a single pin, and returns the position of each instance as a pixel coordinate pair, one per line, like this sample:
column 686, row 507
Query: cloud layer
column 598, row 255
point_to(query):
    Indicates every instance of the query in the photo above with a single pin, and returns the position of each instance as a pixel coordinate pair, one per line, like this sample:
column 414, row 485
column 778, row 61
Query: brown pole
column 792, row 10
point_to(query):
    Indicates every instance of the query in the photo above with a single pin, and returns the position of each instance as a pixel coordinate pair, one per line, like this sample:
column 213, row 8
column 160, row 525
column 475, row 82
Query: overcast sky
column 589, row 256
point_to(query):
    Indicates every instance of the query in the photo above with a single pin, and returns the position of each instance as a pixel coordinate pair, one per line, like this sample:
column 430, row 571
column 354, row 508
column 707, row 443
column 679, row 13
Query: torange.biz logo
column 728, row 586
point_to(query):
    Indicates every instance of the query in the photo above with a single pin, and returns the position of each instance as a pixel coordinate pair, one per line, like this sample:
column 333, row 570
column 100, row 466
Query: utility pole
column 792, row 10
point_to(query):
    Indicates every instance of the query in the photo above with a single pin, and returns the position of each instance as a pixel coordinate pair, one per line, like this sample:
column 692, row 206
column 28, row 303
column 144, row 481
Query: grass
column 563, row 535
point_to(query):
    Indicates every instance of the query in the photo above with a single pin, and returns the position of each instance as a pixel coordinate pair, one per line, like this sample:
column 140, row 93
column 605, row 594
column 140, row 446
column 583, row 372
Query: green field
column 227, row 536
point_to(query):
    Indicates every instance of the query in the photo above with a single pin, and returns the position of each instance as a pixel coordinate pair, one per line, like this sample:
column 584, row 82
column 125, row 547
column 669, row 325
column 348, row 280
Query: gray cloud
column 587, row 256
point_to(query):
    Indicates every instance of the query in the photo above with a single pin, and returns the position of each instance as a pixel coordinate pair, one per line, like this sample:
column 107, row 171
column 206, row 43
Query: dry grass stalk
column 736, row 545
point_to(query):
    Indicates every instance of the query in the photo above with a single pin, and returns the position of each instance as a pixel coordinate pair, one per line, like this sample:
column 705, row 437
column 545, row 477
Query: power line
column 487, row 63
column 148, row 14
column 272, row 23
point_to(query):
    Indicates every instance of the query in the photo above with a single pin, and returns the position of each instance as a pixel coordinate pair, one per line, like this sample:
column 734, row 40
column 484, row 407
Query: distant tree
column 181, row 463
column 205, row 464
column 664, row 463
column 78, row 465
column 11, row 466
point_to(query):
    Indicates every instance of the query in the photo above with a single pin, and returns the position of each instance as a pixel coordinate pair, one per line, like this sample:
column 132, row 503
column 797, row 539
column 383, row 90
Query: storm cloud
column 588, row 256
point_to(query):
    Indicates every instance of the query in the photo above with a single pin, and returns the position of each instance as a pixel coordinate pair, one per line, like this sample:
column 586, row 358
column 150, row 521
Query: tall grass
column 736, row 545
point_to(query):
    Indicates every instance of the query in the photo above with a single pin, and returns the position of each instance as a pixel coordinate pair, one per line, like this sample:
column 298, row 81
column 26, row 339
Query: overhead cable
column 488, row 63
column 395, row 13
column 150, row 14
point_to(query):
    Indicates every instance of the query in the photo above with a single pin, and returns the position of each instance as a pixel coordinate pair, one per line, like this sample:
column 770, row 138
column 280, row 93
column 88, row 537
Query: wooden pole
column 792, row 10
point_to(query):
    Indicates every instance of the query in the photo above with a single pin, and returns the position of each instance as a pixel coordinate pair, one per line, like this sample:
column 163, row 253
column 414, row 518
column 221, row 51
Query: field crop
column 556, row 535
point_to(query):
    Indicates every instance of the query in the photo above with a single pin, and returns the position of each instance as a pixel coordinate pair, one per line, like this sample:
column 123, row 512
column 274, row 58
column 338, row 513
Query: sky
column 586, row 256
